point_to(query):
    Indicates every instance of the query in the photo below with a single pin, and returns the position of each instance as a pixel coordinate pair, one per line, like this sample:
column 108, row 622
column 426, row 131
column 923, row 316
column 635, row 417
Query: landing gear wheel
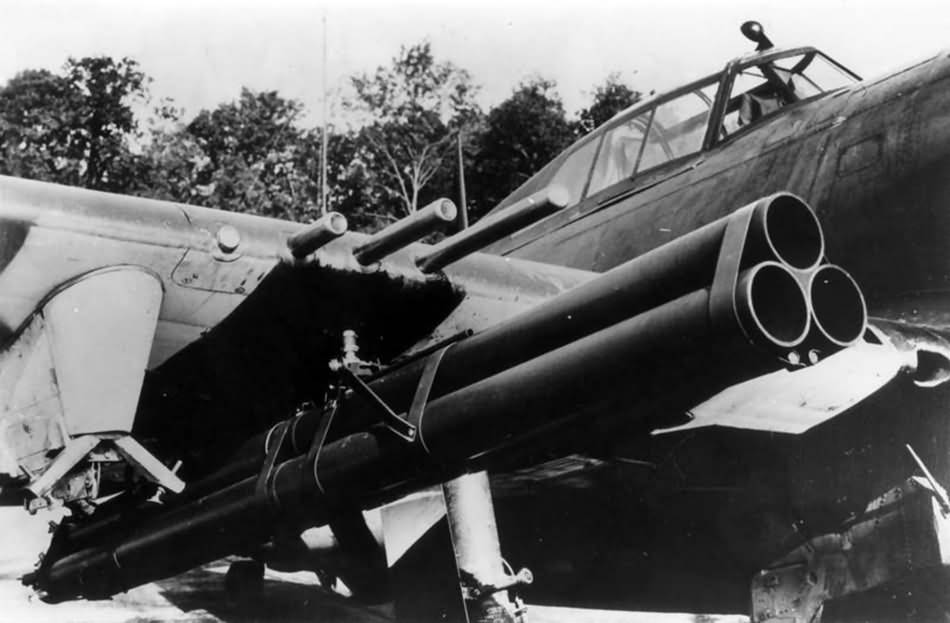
column 244, row 580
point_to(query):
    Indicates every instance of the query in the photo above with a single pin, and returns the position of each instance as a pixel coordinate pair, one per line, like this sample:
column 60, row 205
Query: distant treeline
column 84, row 126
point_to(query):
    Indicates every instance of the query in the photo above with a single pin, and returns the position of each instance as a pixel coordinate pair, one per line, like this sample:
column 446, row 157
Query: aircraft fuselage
column 713, row 506
column 871, row 159
column 716, row 505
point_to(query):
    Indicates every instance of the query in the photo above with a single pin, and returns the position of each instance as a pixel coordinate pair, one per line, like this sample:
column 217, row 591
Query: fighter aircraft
column 674, row 390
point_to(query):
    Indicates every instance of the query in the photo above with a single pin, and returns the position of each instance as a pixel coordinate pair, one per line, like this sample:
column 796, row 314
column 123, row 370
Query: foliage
column 253, row 148
column 352, row 191
column 521, row 135
column 609, row 98
column 80, row 127
column 412, row 111
column 75, row 128
column 34, row 137
column 251, row 155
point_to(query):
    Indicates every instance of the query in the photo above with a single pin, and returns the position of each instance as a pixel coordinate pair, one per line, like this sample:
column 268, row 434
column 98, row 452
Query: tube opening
column 446, row 210
column 336, row 223
column 777, row 305
column 793, row 232
column 837, row 305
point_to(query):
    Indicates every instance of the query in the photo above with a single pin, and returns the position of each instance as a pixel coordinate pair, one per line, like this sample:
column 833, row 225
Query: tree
column 252, row 156
column 412, row 112
column 609, row 98
column 74, row 128
column 171, row 161
column 105, row 120
column 352, row 190
column 520, row 136
column 33, row 131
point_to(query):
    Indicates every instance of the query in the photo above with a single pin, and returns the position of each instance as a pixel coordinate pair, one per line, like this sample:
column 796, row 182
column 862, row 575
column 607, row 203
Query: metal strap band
column 320, row 439
column 267, row 469
column 421, row 397
column 722, row 303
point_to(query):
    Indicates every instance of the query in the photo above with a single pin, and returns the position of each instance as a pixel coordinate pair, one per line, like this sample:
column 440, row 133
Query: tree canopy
column 94, row 124
column 253, row 150
column 521, row 135
column 76, row 127
column 609, row 98
column 413, row 110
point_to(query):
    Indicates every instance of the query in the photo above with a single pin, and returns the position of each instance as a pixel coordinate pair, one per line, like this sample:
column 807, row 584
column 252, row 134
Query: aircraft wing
column 792, row 403
column 272, row 353
column 197, row 328
column 268, row 375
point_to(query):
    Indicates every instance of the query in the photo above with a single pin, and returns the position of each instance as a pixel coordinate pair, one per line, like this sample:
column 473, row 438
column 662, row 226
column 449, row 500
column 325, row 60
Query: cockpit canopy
column 686, row 121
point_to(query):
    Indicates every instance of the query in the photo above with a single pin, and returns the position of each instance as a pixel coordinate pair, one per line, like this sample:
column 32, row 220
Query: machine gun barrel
column 328, row 227
column 492, row 228
column 406, row 231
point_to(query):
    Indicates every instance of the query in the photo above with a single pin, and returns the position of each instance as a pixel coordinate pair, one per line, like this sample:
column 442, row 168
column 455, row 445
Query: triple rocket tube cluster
column 743, row 296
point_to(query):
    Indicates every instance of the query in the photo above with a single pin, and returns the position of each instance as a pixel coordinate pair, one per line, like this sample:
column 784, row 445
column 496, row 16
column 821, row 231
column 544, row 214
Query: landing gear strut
column 481, row 569
column 444, row 557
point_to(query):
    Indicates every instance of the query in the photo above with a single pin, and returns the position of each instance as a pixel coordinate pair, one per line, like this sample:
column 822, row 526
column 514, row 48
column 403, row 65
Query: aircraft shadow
column 201, row 593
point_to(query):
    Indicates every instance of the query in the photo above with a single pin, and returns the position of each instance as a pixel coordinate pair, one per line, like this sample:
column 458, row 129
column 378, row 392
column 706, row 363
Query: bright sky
column 201, row 52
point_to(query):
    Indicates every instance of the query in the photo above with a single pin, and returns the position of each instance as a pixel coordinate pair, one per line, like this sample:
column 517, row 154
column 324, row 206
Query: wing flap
column 793, row 402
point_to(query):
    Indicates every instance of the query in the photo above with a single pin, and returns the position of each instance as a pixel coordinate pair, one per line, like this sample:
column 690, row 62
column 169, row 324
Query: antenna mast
column 323, row 134
column 463, row 202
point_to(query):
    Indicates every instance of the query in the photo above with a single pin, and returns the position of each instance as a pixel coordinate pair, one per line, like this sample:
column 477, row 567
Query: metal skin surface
column 230, row 281
column 706, row 509
column 53, row 234
column 673, row 521
column 870, row 159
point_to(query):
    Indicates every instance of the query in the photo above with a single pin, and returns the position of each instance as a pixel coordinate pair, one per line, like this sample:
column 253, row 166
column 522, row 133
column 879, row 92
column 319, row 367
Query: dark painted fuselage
column 686, row 524
column 871, row 159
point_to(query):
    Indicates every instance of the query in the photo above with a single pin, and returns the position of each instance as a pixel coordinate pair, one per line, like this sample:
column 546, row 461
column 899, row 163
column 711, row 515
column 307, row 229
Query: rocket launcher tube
column 615, row 373
column 838, row 312
column 779, row 228
column 569, row 369
column 681, row 266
